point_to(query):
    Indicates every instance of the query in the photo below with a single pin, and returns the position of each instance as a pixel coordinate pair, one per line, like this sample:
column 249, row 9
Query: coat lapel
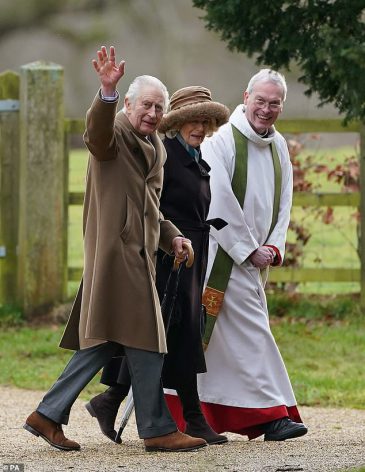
column 148, row 152
column 160, row 155
column 149, row 158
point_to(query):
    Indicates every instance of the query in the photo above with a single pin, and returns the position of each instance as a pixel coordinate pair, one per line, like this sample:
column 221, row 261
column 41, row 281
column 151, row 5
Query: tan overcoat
column 123, row 228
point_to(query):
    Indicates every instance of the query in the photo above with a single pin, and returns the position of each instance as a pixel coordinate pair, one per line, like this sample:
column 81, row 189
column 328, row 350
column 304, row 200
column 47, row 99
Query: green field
column 335, row 244
column 330, row 246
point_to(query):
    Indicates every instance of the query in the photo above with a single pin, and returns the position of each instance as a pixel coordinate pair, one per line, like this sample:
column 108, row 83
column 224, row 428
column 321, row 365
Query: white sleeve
column 278, row 235
column 235, row 238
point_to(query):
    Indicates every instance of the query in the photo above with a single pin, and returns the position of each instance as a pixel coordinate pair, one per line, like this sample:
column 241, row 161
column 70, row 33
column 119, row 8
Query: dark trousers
column 152, row 415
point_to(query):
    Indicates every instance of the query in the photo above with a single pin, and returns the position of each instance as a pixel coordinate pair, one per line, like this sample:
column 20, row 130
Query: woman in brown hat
column 185, row 200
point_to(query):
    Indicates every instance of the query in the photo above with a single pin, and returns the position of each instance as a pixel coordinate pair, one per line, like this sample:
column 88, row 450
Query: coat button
column 142, row 252
column 145, row 214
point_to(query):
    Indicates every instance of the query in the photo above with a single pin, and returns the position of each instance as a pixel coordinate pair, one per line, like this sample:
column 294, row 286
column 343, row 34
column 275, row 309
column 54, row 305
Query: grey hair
column 268, row 75
column 142, row 81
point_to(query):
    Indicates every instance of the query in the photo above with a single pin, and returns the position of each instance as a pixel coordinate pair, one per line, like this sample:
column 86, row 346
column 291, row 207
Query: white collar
column 239, row 120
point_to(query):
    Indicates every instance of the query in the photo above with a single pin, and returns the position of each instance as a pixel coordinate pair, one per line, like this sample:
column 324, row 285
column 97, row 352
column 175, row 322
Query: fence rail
column 301, row 199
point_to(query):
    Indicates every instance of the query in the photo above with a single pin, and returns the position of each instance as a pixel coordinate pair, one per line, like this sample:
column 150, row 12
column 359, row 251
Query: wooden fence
column 34, row 196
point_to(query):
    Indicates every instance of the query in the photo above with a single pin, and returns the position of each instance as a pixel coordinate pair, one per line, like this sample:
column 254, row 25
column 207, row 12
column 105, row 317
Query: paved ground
column 336, row 441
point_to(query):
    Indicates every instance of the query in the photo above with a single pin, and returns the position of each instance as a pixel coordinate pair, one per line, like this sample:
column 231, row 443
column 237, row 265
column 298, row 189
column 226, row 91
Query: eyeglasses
column 260, row 103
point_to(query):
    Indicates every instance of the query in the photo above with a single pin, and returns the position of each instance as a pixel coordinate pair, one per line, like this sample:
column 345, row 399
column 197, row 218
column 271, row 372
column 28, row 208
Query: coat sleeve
column 99, row 136
column 278, row 235
column 168, row 231
column 235, row 238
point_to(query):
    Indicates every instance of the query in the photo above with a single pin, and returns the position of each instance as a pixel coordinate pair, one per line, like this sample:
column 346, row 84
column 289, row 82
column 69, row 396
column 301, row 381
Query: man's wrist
column 109, row 95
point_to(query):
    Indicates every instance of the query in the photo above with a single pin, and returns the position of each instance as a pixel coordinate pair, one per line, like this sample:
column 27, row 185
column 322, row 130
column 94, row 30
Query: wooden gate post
column 42, row 274
column 9, row 185
column 362, row 217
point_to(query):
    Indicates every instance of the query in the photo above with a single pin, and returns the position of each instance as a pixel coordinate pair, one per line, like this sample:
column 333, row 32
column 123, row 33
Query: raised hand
column 109, row 73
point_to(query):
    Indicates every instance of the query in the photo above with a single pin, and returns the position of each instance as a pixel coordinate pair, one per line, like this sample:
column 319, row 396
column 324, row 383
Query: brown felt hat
column 192, row 103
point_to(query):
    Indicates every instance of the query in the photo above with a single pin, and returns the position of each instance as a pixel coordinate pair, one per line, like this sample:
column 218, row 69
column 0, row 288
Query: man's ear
column 245, row 97
column 127, row 104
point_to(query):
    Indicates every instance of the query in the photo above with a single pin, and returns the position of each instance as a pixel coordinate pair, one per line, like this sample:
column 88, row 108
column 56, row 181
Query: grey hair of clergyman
column 268, row 75
column 135, row 89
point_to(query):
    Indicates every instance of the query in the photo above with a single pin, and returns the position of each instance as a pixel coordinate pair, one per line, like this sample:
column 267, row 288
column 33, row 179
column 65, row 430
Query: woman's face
column 193, row 132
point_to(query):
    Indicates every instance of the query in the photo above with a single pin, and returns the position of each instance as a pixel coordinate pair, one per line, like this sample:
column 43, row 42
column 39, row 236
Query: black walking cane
column 167, row 307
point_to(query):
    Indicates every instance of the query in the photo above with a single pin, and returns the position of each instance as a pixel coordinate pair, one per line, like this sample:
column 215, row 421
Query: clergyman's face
column 263, row 105
column 146, row 112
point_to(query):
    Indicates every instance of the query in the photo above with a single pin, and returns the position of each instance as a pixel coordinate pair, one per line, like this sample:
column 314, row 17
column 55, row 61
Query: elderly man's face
column 146, row 113
column 263, row 105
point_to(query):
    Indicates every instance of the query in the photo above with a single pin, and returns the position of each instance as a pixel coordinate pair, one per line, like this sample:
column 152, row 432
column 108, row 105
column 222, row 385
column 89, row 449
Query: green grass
column 325, row 360
column 329, row 157
column 322, row 340
column 299, row 307
column 362, row 469
column 10, row 315
column 78, row 166
column 30, row 358
column 332, row 245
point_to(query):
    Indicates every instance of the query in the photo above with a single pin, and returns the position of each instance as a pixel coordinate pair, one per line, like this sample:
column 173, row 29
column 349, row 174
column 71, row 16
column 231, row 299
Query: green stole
column 222, row 266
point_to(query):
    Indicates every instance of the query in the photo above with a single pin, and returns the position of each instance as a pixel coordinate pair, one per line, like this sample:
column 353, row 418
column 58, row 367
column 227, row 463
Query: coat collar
column 153, row 151
column 159, row 154
column 187, row 159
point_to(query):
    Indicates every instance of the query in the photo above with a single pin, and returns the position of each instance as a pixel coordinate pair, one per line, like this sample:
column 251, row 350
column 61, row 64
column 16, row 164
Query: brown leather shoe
column 50, row 431
column 174, row 442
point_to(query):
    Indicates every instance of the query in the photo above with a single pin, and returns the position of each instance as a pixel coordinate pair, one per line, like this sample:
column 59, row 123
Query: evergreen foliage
column 325, row 38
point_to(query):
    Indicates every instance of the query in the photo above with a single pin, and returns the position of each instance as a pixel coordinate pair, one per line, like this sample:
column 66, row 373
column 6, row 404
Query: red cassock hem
column 233, row 419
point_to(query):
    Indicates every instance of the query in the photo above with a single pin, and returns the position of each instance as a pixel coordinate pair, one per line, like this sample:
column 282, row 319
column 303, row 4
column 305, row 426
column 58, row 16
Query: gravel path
column 336, row 441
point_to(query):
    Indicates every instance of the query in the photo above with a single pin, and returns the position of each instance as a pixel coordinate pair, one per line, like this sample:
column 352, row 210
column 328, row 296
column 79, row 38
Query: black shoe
column 105, row 410
column 204, row 431
column 282, row 429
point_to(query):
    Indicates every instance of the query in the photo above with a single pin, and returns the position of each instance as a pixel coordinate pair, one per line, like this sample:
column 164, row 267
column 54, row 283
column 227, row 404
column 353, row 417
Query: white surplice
column 244, row 366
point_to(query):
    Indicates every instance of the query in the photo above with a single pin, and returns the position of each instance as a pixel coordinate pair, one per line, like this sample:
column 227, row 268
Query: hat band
column 181, row 102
